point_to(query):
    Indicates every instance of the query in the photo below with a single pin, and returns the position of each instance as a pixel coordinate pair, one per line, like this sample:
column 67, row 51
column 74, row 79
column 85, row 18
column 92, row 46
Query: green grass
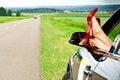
column 114, row 32
column 55, row 49
column 4, row 19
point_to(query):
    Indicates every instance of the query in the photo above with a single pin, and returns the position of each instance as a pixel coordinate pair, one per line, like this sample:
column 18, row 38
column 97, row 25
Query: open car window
column 114, row 32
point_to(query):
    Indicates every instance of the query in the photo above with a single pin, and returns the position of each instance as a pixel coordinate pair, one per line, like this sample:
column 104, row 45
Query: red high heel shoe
column 89, row 32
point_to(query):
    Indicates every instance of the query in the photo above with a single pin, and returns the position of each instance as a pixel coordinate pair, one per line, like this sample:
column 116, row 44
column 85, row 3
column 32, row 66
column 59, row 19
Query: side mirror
column 76, row 37
column 114, row 53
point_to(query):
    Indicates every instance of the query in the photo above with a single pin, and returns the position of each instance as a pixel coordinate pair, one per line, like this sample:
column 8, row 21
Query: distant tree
column 9, row 13
column 18, row 13
column 2, row 11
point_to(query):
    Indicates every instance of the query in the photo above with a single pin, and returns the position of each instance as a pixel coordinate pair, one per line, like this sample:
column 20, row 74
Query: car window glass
column 114, row 32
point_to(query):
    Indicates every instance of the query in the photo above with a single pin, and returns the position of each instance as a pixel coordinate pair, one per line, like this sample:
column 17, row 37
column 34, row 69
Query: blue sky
column 34, row 3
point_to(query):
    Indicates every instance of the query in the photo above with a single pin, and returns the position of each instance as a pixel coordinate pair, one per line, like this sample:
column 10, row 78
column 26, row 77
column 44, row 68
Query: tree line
column 41, row 10
column 4, row 12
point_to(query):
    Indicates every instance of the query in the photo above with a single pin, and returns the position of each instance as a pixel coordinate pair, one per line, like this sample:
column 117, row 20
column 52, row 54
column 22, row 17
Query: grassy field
column 55, row 49
column 4, row 19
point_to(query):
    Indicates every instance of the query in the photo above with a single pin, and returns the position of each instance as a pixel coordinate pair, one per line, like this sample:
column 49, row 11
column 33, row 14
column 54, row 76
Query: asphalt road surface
column 19, row 50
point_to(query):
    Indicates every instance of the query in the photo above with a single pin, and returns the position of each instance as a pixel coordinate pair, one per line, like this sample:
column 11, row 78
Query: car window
column 114, row 32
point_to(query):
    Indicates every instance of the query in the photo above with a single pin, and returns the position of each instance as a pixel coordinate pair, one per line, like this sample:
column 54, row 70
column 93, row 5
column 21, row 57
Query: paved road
column 19, row 50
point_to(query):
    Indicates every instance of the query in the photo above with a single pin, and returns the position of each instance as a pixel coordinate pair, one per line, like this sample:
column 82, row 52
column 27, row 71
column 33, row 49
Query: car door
column 109, row 69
